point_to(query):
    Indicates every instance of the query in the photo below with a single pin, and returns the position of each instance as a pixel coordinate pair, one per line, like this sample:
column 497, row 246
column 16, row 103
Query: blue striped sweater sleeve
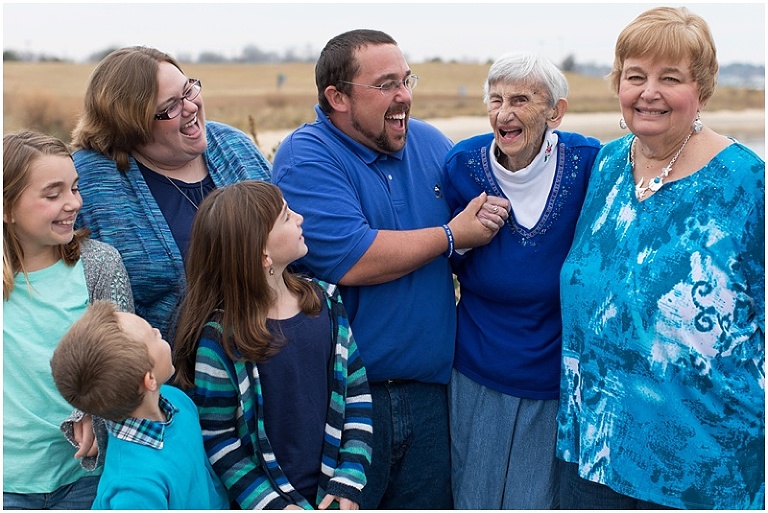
column 347, row 451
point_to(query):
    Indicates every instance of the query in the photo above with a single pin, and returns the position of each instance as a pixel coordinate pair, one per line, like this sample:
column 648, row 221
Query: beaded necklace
column 654, row 184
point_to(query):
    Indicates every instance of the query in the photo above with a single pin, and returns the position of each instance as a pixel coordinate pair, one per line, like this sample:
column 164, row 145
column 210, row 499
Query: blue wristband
column 449, row 234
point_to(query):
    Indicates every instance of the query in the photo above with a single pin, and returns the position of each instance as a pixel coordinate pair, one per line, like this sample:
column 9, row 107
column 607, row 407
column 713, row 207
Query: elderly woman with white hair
column 505, row 383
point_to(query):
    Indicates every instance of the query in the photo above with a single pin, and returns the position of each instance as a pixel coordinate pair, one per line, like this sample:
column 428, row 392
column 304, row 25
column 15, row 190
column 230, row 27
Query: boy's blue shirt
column 160, row 465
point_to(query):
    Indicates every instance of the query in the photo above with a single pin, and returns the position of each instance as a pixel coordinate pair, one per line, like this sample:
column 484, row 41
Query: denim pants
column 77, row 495
column 579, row 493
column 502, row 448
column 410, row 466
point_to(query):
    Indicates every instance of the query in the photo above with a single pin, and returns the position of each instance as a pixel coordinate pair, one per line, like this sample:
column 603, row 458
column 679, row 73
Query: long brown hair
column 119, row 105
column 225, row 276
column 20, row 151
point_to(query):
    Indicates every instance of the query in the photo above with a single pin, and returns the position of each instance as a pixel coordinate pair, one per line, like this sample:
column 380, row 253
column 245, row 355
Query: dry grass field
column 48, row 96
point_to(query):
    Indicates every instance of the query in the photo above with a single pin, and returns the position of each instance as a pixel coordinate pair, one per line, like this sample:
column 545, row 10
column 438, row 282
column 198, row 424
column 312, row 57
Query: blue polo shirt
column 404, row 328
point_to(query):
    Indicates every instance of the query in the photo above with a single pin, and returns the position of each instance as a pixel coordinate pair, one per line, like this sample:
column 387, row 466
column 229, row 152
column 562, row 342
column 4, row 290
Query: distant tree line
column 732, row 74
column 250, row 54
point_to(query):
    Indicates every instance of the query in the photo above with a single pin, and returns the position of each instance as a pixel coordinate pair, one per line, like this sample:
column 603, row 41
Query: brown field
column 48, row 96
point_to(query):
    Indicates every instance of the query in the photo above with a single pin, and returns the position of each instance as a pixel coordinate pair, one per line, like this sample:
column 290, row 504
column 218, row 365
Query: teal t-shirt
column 37, row 458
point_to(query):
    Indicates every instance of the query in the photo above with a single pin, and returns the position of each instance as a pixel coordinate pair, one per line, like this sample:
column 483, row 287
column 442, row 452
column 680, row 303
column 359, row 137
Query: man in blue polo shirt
column 376, row 223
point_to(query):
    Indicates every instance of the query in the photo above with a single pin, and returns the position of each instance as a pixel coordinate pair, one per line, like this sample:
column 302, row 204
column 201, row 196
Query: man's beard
column 381, row 141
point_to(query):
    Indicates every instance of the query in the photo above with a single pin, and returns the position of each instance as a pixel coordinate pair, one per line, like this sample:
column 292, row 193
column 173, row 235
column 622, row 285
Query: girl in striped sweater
column 269, row 359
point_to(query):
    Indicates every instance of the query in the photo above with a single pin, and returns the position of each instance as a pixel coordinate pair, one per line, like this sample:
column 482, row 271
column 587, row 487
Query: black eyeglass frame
column 389, row 86
column 189, row 94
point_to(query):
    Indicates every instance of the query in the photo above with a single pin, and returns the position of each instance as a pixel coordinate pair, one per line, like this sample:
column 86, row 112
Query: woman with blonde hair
column 662, row 400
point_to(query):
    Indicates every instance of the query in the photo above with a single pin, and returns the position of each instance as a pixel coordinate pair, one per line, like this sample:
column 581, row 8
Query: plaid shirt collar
column 143, row 431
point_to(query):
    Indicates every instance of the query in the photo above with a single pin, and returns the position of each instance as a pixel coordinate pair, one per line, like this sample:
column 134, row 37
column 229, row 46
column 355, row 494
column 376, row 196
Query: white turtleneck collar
column 528, row 188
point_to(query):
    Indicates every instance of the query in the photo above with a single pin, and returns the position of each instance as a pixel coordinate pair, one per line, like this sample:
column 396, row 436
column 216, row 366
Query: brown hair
column 337, row 62
column 20, row 151
column 225, row 277
column 119, row 106
column 674, row 34
column 99, row 368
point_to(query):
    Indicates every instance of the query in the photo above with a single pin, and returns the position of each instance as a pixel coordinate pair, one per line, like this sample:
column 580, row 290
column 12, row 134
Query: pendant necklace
column 183, row 193
column 202, row 194
column 654, row 184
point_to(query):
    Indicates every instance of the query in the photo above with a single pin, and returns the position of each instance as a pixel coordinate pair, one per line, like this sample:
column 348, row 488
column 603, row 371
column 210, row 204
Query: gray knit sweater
column 105, row 275
column 106, row 278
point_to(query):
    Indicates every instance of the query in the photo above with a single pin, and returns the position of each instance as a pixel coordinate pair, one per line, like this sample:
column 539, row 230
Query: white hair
column 530, row 67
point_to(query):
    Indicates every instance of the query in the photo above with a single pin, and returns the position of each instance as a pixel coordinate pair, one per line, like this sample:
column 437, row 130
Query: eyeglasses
column 390, row 86
column 175, row 108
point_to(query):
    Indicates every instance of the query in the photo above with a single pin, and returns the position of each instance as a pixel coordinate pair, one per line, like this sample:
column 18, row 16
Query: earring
column 271, row 271
column 698, row 126
column 622, row 124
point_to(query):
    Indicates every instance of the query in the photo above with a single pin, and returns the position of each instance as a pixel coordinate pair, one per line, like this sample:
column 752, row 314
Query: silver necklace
column 183, row 193
column 654, row 184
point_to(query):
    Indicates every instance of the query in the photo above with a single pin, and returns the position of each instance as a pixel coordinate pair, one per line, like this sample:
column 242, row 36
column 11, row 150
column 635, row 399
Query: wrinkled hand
column 85, row 438
column 470, row 229
column 343, row 503
column 495, row 210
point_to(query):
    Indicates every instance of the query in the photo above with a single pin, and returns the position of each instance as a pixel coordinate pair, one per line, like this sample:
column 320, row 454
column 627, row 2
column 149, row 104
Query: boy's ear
column 150, row 383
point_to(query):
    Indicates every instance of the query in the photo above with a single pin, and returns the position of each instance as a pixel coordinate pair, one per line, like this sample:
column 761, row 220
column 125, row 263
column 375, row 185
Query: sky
column 466, row 31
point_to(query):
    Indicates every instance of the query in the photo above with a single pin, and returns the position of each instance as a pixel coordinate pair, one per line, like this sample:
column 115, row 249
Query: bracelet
column 449, row 234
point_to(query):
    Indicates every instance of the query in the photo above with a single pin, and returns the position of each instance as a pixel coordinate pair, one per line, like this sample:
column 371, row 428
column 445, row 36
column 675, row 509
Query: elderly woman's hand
column 471, row 229
column 494, row 212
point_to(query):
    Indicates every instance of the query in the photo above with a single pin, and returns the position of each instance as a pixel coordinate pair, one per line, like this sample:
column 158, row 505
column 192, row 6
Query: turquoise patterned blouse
column 663, row 387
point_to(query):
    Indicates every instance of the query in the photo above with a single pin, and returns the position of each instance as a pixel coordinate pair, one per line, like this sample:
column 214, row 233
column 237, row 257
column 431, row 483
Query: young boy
column 114, row 365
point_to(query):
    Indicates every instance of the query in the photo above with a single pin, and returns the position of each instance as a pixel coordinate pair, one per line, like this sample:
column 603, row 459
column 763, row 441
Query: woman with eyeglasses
column 147, row 157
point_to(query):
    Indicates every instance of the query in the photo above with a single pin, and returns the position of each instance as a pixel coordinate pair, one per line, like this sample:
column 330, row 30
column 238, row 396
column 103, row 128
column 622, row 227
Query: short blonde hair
column 674, row 34
column 99, row 368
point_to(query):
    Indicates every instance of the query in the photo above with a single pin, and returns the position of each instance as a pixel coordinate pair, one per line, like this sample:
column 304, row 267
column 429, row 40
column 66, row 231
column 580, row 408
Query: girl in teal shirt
column 50, row 274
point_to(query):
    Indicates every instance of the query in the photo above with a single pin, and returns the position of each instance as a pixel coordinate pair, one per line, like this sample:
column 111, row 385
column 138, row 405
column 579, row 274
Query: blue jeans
column 77, row 495
column 502, row 448
column 579, row 493
column 410, row 467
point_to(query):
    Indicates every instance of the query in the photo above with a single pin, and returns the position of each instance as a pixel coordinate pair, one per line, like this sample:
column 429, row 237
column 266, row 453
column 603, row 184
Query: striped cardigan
column 229, row 400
